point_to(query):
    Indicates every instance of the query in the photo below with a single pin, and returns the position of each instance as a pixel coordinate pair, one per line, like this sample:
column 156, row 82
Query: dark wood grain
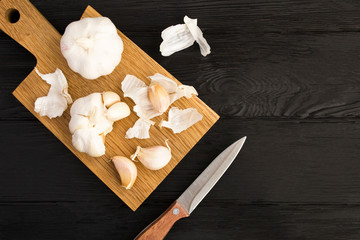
column 284, row 73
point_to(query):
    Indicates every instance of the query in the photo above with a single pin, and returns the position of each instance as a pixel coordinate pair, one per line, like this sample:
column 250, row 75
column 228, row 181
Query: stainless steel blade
column 209, row 177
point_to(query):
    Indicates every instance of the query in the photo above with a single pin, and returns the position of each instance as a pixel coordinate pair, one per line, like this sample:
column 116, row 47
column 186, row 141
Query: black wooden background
column 284, row 73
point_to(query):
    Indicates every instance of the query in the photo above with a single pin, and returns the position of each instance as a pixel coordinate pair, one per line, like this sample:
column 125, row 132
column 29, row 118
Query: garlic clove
column 159, row 98
column 126, row 169
column 118, row 111
column 109, row 98
column 153, row 158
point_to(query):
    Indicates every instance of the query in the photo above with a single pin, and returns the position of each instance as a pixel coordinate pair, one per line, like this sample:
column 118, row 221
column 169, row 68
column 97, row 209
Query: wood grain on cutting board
column 37, row 35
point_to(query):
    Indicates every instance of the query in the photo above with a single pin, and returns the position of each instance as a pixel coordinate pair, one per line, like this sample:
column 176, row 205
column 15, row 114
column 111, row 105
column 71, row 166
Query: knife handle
column 162, row 225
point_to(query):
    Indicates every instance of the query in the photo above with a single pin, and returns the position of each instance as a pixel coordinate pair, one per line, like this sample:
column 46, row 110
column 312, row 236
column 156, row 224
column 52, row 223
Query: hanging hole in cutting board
column 12, row 15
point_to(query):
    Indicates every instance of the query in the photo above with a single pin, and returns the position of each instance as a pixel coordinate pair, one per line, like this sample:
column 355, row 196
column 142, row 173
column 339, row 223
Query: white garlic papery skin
column 91, row 120
column 153, row 158
column 181, row 36
column 92, row 47
column 127, row 170
column 180, row 120
column 144, row 108
column 56, row 102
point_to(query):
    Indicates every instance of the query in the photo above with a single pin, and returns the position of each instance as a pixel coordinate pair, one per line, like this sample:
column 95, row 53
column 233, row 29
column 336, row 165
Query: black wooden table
column 284, row 73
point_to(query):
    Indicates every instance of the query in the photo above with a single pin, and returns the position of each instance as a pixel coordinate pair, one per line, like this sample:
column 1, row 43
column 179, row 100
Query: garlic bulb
column 180, row 120
column 126, row 169
column 92, row 118
column 55, row 103
column 92, row 47
column 153, row 158
column 181, row 36
column 159, row 97
column 147, row 105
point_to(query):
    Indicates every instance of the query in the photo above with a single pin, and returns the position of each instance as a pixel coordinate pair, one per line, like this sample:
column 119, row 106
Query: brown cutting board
column 37, row 35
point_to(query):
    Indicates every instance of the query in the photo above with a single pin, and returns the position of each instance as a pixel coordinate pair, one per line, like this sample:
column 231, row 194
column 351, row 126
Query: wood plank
column 38, row 36
column 89, row 220
column 273, row 75
column 309, row 161
column 216, row 16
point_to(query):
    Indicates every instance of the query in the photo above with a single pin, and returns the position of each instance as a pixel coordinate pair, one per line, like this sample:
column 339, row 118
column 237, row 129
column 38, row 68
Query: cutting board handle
column 25, row 24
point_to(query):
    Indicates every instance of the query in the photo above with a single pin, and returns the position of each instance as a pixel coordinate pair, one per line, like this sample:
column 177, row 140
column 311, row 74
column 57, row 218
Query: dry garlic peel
column 55, row 103
column 198, row 35
column 138, row 91
column 92, row 47
column 153, row 158
column 181, row 36
column 180, row 120
column 175, row 38
column 140, row 129
column 127, row 171
column 92, row 119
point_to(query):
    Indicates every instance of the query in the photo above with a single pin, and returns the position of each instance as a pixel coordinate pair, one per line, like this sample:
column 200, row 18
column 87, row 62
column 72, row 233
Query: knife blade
column 193, row 195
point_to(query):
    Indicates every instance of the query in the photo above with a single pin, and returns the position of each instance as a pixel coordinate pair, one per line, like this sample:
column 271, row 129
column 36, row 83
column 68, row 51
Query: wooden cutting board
column 38, row 36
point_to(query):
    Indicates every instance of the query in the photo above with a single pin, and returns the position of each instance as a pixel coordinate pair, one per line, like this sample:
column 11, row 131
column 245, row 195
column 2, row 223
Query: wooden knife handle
column 162, row 225
column 25, row 24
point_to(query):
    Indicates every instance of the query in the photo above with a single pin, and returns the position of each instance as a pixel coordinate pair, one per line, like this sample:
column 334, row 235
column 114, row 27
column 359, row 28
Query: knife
column 193, row 195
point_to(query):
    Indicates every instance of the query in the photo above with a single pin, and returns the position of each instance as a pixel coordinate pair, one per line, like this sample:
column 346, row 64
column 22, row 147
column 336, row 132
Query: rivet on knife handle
column 161, row 226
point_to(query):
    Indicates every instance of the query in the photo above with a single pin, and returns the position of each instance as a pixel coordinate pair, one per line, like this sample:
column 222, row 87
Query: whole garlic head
column 92, row 119
column 92, row 47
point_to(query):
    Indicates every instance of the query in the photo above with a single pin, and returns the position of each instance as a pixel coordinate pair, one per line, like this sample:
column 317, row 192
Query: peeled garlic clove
column 126, row 169
column 159, row 98
column 118, row 111
column 153, row 158
column 109, row 98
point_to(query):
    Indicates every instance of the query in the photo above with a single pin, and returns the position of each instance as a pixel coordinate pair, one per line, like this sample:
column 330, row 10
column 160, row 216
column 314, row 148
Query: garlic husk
column 180, row 120
column 55, row 103
column 175, row 38
column 138, row 91
column 159, row 97
column 140, row 129
column 92, row 47
column 118, row 111
column 127, row 170
column 181, row 36
column 198, row 35
column 153, row 158
column 109, row 98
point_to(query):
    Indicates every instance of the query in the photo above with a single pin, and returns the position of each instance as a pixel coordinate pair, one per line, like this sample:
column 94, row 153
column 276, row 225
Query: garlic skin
column 159, row 97
column 92, row 47
column 180, row 120
column 91, row 120
column 138, row 91
column 55, row 103
column 127, row 170
column 181, row 36
column 153, row 158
